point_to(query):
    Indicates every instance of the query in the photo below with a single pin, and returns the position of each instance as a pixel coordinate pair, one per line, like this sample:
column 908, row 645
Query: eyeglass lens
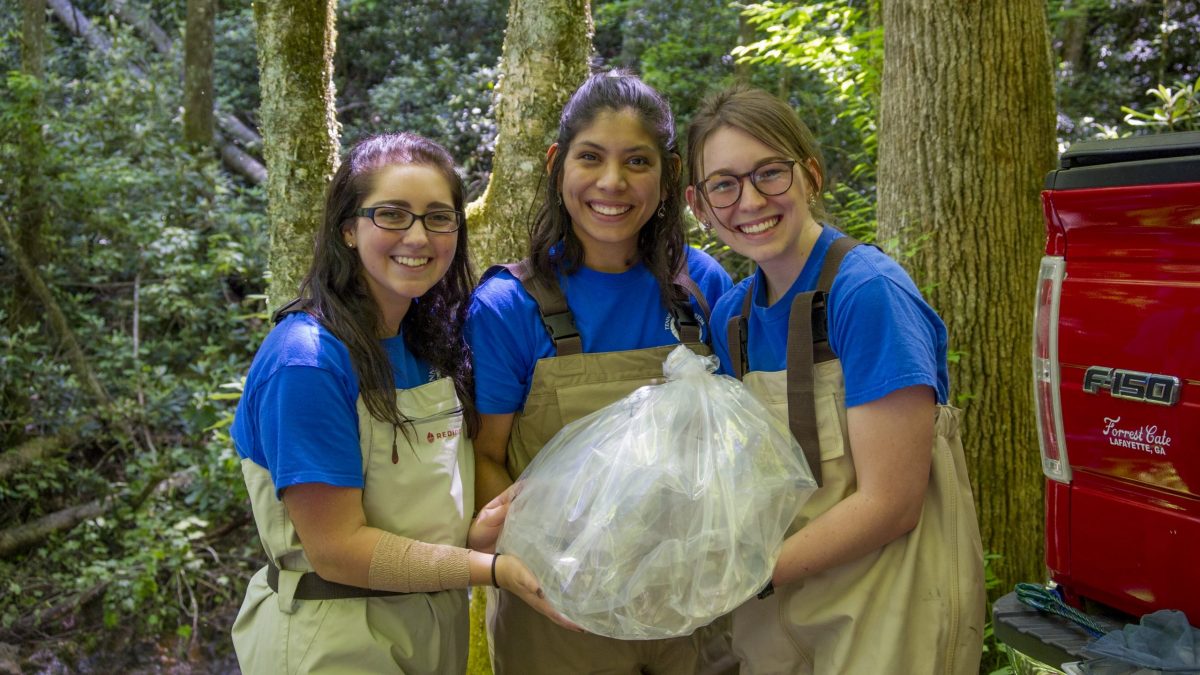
column 396, row 218
column 770, row 179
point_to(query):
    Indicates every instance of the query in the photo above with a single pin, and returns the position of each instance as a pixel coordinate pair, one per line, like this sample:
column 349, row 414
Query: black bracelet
column 767, row 590
column 495, row 583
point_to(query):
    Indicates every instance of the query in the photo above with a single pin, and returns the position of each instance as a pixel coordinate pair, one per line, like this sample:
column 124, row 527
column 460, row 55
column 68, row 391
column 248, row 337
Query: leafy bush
column 152, row 254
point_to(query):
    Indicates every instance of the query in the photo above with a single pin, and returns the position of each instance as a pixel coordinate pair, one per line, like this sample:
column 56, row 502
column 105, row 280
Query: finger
column 551, row 613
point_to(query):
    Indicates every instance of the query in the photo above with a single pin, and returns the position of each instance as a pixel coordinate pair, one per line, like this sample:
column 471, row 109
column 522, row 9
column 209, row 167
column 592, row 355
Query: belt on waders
column 313, row 587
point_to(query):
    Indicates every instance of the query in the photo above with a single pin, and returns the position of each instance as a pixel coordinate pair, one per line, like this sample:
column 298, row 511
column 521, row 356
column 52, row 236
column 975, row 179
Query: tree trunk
column 1074, row 36
column 300, row 131
column 545, row 55
column 742, row 69
column 966, row 135
column 198, row 73
column 544, row 59
column 30, row 199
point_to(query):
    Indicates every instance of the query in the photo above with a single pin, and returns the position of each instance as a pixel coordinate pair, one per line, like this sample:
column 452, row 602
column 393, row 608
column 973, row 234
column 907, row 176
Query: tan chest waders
column 564, row 388
column 419, row 485
column 914, row 606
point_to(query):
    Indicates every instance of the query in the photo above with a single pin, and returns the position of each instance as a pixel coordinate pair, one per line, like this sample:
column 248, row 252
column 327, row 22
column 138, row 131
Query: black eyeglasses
column 772, row 177
column 397, row 218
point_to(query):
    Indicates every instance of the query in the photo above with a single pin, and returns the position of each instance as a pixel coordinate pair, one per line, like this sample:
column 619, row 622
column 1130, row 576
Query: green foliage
column 837, row 55
column 235, row 59
column 152, row 252
column 404, row 67
column 440, row 97
column 1111, row 52
column 995, row 656
column 1175, row 109
column 680, row 48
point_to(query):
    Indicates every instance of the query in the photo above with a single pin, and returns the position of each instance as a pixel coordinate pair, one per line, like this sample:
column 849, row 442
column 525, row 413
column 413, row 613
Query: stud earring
column 705, row 224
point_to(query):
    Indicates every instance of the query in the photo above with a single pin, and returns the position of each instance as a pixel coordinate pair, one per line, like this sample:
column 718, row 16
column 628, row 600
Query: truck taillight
column 1045, row 370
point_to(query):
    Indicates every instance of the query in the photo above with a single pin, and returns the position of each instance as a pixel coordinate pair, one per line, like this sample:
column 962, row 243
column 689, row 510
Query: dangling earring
column 662, row 209
column 706, row 225
column 812, row 200
column 559, row 198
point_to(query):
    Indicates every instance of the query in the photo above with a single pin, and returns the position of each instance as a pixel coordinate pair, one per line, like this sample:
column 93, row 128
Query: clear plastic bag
column 659, row 513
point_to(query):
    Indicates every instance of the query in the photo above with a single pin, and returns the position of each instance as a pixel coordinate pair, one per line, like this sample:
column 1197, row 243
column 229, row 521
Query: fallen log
column 17, row 539
column 235, row 158
column 22, row 537
column 33, row 451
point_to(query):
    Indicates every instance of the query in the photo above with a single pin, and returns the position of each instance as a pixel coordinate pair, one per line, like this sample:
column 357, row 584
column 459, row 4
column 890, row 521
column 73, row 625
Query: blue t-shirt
column 298, row 416
column 881, row 329
column 613, row 312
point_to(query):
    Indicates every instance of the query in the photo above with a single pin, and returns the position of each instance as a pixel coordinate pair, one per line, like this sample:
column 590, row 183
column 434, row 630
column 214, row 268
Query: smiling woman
column 351, row 433
column 402, row 255
column 883, row 571
column 609, row 288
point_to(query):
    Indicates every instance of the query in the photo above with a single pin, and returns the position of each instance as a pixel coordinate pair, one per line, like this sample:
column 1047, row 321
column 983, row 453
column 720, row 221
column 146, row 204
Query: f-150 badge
column 1132, row 385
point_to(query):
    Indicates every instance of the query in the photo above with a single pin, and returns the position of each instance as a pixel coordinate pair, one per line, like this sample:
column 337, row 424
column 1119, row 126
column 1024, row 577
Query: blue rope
column 1050, row 600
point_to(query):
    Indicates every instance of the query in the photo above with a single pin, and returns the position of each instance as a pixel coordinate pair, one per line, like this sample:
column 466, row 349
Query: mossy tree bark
column 547, row 45
column 545, row 57
column 966, row 135
column 198, row 73
column 300, row 130
column 31, row 203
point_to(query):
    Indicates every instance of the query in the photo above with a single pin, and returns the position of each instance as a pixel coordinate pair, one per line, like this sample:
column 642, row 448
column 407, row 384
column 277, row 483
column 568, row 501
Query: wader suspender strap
column 560, row 323
column 807, row 345
column 685, row 318
column 313, row 587
column 552, row 304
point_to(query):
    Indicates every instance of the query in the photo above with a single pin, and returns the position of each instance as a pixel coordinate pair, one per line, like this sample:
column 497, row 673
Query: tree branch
column 54, row 314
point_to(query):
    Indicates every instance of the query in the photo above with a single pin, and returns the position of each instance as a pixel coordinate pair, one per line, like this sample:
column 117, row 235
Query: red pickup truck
column 1116, row 377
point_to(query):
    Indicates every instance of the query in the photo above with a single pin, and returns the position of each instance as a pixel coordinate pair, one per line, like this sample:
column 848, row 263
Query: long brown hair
column 662, row 242
column 335, row 292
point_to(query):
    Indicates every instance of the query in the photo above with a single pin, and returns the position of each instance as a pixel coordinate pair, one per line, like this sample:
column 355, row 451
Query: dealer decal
column 1148, row 437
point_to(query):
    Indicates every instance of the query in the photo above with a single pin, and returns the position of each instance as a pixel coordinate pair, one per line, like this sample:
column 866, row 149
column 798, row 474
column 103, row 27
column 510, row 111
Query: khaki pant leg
column 526, row 643
column 670, row 656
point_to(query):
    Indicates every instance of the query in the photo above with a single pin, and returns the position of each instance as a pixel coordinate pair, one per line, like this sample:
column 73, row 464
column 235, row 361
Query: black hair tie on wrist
column 495, row 583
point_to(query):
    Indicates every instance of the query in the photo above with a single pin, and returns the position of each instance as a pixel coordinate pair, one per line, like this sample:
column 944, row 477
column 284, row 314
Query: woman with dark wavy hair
column 354, row 429
column 587, row 318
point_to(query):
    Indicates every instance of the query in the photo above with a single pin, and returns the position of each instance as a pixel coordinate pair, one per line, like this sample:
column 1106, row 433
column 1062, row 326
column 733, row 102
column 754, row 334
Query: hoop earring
column 662, row 209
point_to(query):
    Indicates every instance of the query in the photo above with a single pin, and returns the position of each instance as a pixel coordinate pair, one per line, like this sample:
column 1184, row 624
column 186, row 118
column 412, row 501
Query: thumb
column 493, row 514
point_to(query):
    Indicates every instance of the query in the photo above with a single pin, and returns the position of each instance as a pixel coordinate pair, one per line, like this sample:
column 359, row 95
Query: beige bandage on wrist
column 408, row 566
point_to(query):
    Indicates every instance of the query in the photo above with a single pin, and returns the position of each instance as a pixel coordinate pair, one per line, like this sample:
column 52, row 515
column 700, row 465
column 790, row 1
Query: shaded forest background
column 125, row 532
